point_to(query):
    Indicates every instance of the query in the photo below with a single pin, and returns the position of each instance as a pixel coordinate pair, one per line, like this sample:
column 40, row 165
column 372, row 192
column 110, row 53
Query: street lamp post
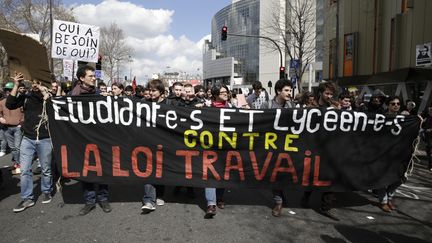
column 130, row 68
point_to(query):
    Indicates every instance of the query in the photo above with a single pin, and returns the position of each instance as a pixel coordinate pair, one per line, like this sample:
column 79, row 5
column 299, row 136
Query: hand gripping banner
column 119, row 140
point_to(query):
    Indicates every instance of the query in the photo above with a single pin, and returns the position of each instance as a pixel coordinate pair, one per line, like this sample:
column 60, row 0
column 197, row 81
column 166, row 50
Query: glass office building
column 238, row 60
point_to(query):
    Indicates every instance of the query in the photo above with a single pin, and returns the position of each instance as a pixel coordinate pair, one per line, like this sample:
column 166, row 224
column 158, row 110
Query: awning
column 403, row 75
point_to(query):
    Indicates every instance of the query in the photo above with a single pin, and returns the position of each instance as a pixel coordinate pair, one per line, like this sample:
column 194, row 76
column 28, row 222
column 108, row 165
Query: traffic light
column 281, row 72
column 224, row 33
column 99, row 63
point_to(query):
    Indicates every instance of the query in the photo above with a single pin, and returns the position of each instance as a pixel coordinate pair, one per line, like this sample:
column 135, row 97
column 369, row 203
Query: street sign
column 294, row 65
column 98, row 73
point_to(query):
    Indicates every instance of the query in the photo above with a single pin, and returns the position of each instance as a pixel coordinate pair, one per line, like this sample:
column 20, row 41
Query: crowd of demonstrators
column 35, row 137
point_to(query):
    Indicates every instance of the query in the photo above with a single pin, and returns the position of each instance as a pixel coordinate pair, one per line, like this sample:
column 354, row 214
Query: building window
column 348, row 61
column 404, row 6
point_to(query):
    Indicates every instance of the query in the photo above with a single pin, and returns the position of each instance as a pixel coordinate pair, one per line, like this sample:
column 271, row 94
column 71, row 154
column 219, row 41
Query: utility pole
column 130, row 68
column 51, row 31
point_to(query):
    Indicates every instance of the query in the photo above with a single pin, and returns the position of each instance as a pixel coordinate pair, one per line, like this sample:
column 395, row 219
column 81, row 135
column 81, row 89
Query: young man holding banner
column 86, row 86
column 325, row 96
column 283, row 91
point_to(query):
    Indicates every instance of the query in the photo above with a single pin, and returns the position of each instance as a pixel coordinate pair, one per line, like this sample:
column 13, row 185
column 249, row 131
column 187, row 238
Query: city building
column 240, row 60
column 385, row 44
column 244, row 58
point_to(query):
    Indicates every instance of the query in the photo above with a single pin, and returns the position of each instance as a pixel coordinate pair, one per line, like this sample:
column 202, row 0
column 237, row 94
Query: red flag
column 134, row 84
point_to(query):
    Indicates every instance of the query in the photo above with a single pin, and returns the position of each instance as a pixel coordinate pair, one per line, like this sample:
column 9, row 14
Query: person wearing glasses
column 385, row 195
column 394, row 105
column 214, row 196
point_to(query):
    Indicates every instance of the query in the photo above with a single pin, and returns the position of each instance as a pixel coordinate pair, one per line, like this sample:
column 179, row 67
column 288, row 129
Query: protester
column 54, row 88
column 258, row 96
column 200, row 95
column 376, row 103
column 385, row 195
column 86, row 86
column 36, row 140
column 208, row 96
column 282, row 99
column 3, row 142
column 153, row 194
column 11, row 121
column 220, row 94
column 102, row 89
column 146, row 94
column 409, row 108
column 427, row 135
column 188, row 100
column 326, row 91
column 128, row 91
column 117, row 89
column 139, row 92
column 345, row 101
column 176, row 98
column 307, row 100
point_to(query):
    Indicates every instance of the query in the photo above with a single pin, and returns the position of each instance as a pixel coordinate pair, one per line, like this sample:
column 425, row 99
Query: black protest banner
column 116, row 140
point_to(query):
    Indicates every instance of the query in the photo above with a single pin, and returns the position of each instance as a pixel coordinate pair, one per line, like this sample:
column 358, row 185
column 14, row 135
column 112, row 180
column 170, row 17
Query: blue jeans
column 3, row 142
column 149, row 194
column 214, row 195
column 44, row 151
column 90, row 193
column 13, row 137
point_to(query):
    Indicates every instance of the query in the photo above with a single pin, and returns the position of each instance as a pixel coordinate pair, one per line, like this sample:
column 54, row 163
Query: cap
column 9, row 85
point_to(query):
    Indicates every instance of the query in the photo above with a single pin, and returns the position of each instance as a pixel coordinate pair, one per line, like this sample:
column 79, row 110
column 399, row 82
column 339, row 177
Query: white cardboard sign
column 75, row 41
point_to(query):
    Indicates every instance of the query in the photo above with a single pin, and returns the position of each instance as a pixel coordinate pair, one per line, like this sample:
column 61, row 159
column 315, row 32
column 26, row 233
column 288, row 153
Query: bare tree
column 114, row 50
column 31, row 16
column 295, row 25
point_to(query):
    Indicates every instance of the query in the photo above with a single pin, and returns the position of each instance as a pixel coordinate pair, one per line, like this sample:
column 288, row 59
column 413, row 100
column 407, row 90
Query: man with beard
column 325, row 97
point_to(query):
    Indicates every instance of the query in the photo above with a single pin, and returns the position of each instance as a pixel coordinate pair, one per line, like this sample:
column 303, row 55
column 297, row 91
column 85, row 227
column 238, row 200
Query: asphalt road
column 246, row 218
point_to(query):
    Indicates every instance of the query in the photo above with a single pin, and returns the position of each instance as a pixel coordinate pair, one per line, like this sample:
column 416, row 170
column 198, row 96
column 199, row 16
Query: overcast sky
column 163, row 33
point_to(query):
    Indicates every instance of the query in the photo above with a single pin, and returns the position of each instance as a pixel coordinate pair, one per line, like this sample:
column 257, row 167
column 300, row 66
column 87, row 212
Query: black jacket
column 33, row 106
